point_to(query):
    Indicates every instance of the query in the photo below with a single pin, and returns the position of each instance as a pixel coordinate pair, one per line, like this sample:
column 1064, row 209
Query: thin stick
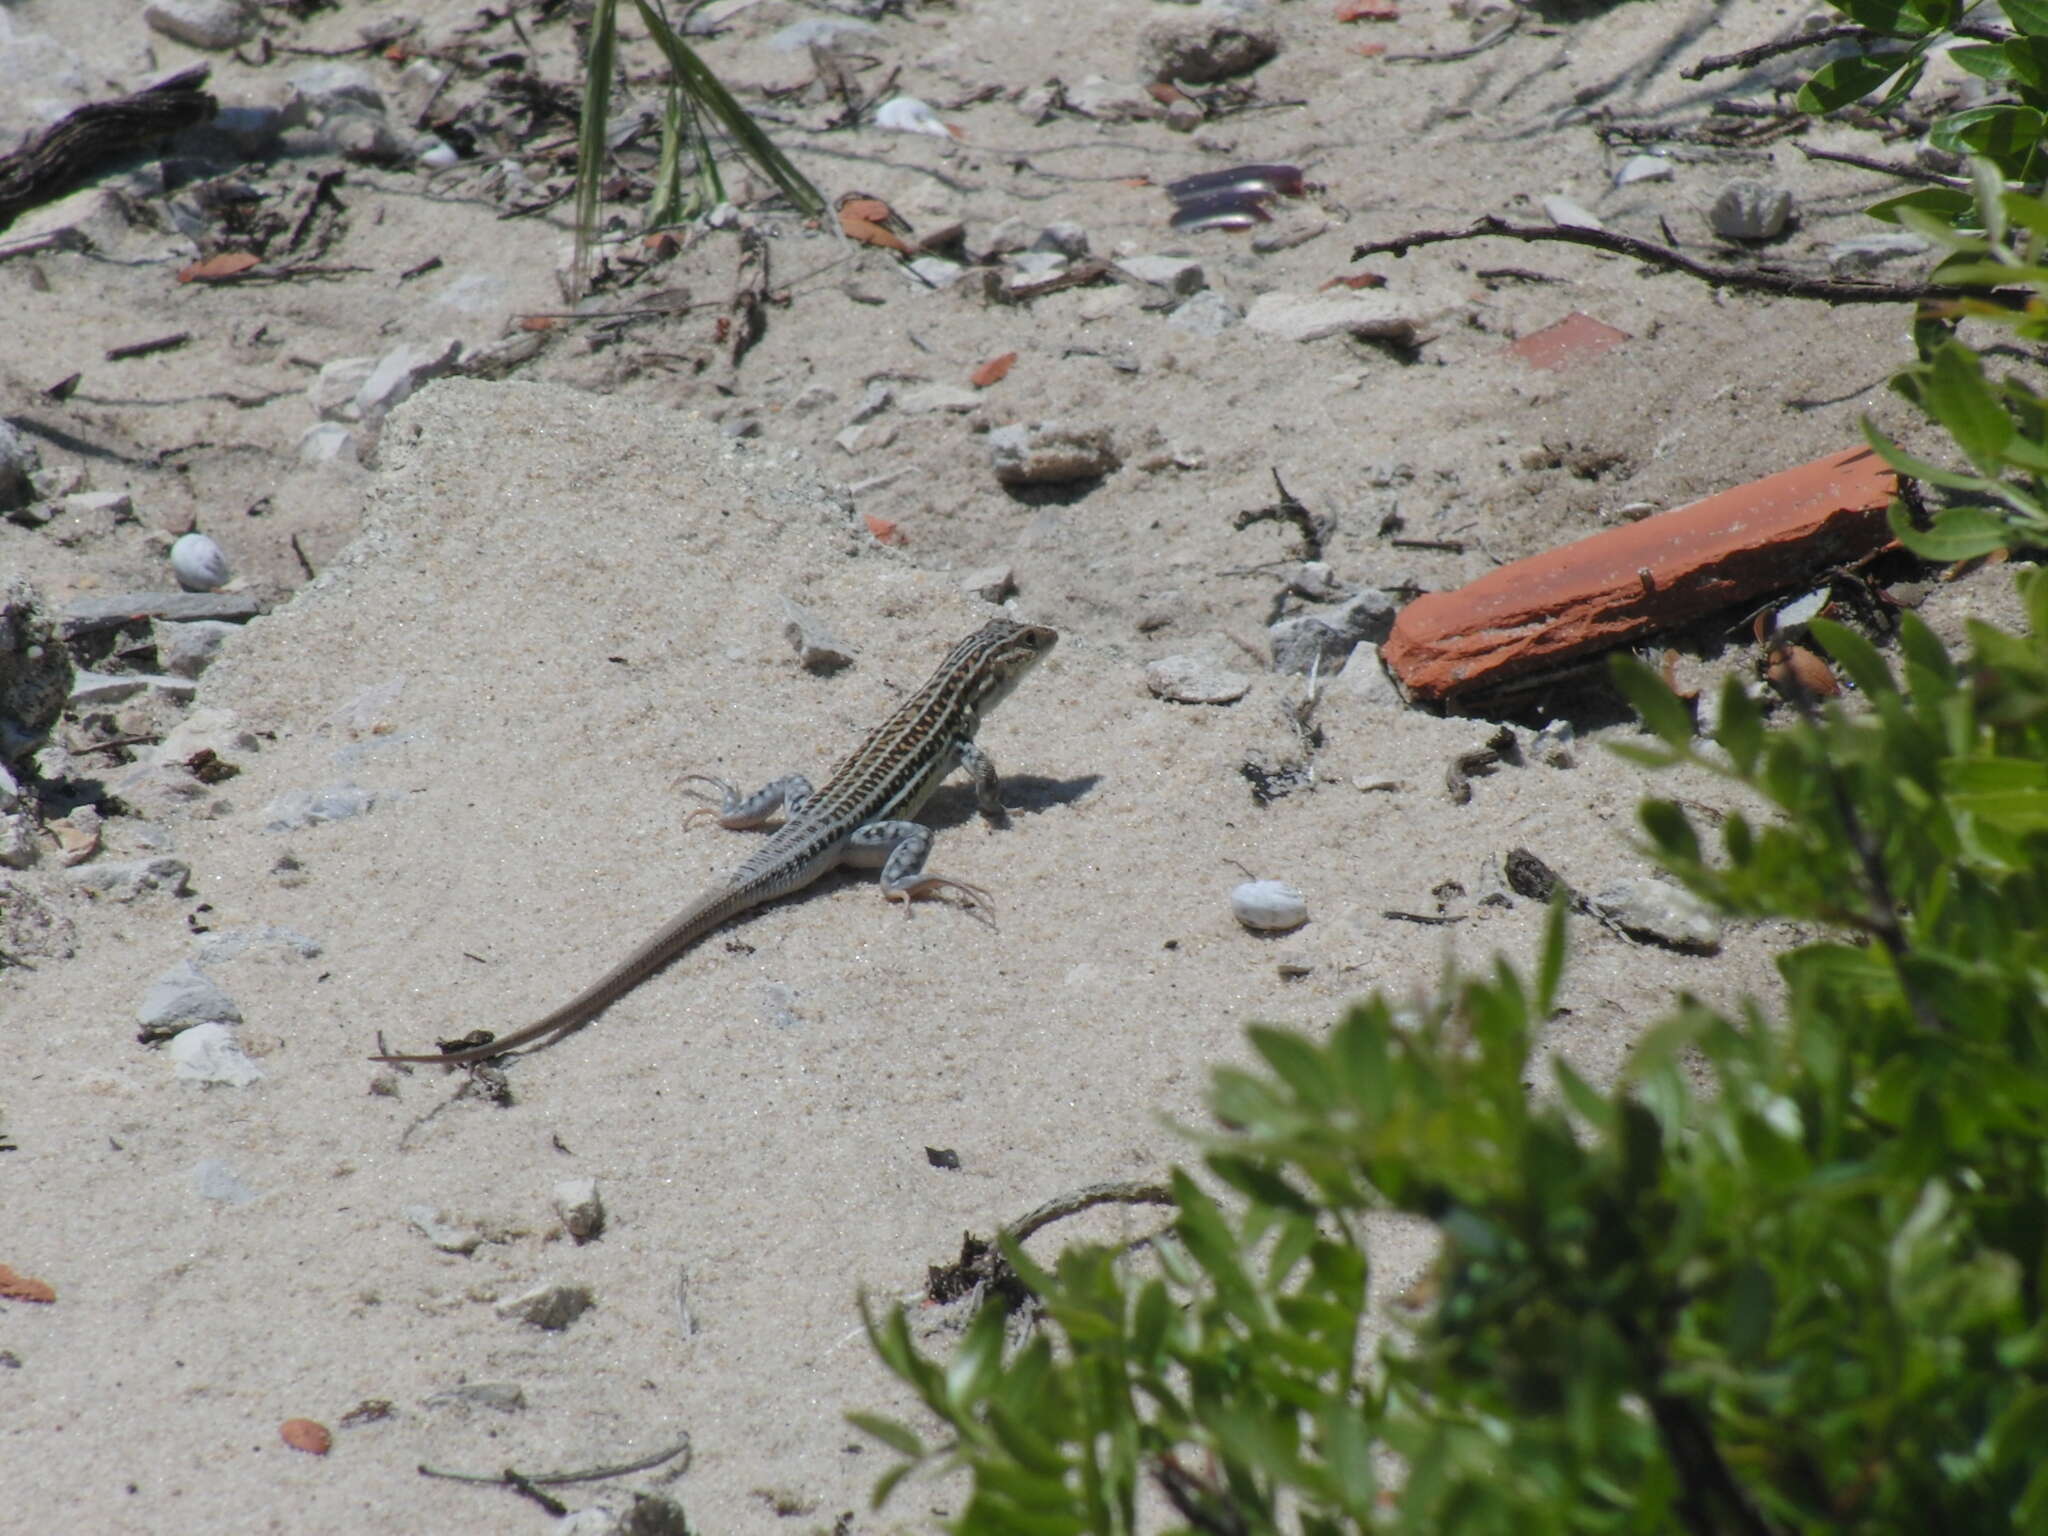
column 511, row 1479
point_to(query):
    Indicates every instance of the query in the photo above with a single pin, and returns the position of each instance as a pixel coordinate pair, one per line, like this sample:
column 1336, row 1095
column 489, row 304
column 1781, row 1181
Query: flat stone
column 1563, row 211
column 1187, row 680
column 209, row 1053
column 1643, row 168
column 1661, row 913
column 186, row 650
column 550, row 1307
column 1208, row 313
column 126, row 881
column 329, row 442
column 332, row 394
column 1618, row 585
column 990, row 583
column 1303, row 644
column 1050, row 452
column 89, row 687
column 181, row 997
column 212, row 25
column 400, row 372
column 1375, row 314
column 1176, row 274
column 1865, row 252
column 94, row 615
column 929, row 398
column 1108, row 101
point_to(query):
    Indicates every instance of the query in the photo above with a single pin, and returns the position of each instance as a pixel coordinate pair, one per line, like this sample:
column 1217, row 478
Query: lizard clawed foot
column 979, row 901
column 727, row 795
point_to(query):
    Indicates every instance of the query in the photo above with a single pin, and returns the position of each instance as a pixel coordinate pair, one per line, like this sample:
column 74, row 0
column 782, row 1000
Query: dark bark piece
column 71, row 149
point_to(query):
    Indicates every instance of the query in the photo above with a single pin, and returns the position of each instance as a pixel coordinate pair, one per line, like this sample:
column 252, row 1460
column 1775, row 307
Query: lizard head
column 995, row 658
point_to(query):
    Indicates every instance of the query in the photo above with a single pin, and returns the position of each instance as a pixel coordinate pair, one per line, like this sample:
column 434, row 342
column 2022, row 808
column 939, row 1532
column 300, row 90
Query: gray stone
column 199, row 564
column 1750, row 210
column 211, row 25
column 1864, row 253
column 92, row 615
column 1367, row 615
column 1208, row 313
column 111, row 506
column 1302, row 645
column 927, row 399
column 297, row 809
column 879, row 397
column 126, row 881
column 186, row 650
column 498, row 1396
column 812, row 399
column 1049, row 453
column 1374, row 313
column 1268, row 906
column 938, row 272
column 1661, row 913
column 1204, row 49
column 1065, row 237
column 1365, row 678
column 181, row 997
column 215, row 1179
column 817, row 644
column 329, row 442
column 1187, row 680
column 88, row 687
column 17, row 841
column 831, row 33
column 992, row 583
column 35, row 670
column 1013, row 234
column 18, row 461
column 1111, row 101
column 318, row 89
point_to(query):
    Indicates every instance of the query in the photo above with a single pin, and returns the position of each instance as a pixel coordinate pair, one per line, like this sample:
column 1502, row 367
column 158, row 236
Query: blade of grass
column 590, row 148
column 703, row 89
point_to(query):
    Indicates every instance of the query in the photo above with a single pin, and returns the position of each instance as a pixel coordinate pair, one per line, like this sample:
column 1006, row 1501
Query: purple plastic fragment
column 1256, row 180
column 1234, row 209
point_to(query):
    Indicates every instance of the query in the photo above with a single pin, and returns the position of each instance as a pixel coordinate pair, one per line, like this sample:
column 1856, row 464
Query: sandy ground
column 550, row 597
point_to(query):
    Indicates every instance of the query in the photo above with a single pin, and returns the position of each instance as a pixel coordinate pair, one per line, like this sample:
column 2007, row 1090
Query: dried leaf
column 992, row 371
column 215, row 269
column 17, row 1287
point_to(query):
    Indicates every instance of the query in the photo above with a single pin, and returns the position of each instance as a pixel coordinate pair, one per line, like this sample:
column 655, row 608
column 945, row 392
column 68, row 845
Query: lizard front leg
column 738, row 812
column 982, row 769
column 901, row 848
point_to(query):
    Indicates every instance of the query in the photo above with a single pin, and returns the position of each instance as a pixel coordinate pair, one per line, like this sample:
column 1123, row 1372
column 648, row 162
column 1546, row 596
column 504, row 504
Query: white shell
column 199, row 563
column 907, row 114
column 1272, row 905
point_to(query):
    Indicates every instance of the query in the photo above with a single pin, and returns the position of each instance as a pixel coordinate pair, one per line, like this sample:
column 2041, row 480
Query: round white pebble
column 199, row 563
column 1271, row 905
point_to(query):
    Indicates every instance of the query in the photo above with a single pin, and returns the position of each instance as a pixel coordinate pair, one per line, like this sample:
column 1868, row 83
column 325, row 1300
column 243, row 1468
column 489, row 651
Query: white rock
column 1562, row 210
column 1306, row 644
column 1750, row 210
column 319, row 89
column 552, row 1307
column 184, row 996
column 1177, row 274
column 199, row 564
column 1013, row 234
column 109, row 504
column 17, row 841
column 186, row 650
column 1270, row 906
column 333, row 391
column 906, row 114
column 1375, row 314
column 400, row 372
column 1662, row 913
column 126, row 881
column 88, row 687
column 435, row 154
column 1643, row 168
column 214, row 25
column 1109, row 101
column 328, row 442
column 937, row 272
column 208, row 1053
column 927, row 399
column 432, row 1223
column 581, row 1209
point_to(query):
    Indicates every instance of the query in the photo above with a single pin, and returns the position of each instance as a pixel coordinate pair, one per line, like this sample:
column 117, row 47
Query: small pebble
column 817, row 645
column 992, row 583
column 1271, row 906
column 549, row 1307
column 1643, row 168
column 580, row 1207
column 1050, row 452
column 180, row 998
column 1562, row 210
column 199, row 563
column 209, row 1053
column 498, row 1396
column 432, row 1223
column 1662, row 913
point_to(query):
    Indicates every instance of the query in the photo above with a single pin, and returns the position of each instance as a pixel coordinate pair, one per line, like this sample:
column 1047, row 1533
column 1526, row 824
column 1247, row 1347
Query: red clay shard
column 1619, row 585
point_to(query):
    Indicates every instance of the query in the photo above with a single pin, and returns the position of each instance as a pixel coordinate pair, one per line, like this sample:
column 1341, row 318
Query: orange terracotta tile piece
column 1368, row 10
column 217, row 269
column 884, row 531
column 307, row 1435
column 994, row 371
column 16, row 1287
column 1624, row 583
column 1576, row 338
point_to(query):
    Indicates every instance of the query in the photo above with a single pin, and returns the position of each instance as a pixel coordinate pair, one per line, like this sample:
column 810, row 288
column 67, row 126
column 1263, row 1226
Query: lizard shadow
column 1024, row 794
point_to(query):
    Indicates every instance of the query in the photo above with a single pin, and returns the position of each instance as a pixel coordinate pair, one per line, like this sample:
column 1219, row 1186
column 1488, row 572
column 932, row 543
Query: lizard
column 861, row 817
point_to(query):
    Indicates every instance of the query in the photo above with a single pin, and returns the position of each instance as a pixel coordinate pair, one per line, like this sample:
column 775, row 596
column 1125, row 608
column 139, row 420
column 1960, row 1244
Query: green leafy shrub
column 1789, row 1274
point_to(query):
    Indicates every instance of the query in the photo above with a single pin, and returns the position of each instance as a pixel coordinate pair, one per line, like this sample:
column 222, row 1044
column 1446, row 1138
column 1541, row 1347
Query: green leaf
column 1948, row 204
column 1856, row 656
column 1295, row 1062
column 1958, row 397
column 2029, row 17
column 1752, row 1303
column 2007, row 134
column 1741, row 728
column 1664, row 714
column 1987, row 61
column 1841, row 81
column 1550, row 959
column 1959, row 533
column 1893, row 18
column 897, row 1436
column 599, row 59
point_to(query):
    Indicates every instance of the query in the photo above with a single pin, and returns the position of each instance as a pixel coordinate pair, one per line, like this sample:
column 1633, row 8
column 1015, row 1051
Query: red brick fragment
column 18, row 1287
column 885, row 531
column 1368, row 10
column 994, row 371
column 1576, row 338
column 217, row 269
column 307, row 1435
column 1619, row 585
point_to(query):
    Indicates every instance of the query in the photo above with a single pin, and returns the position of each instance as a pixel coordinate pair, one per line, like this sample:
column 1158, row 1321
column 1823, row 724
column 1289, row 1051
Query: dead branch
column 79, row 142
column 1749, row 57
column 1781, row 284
